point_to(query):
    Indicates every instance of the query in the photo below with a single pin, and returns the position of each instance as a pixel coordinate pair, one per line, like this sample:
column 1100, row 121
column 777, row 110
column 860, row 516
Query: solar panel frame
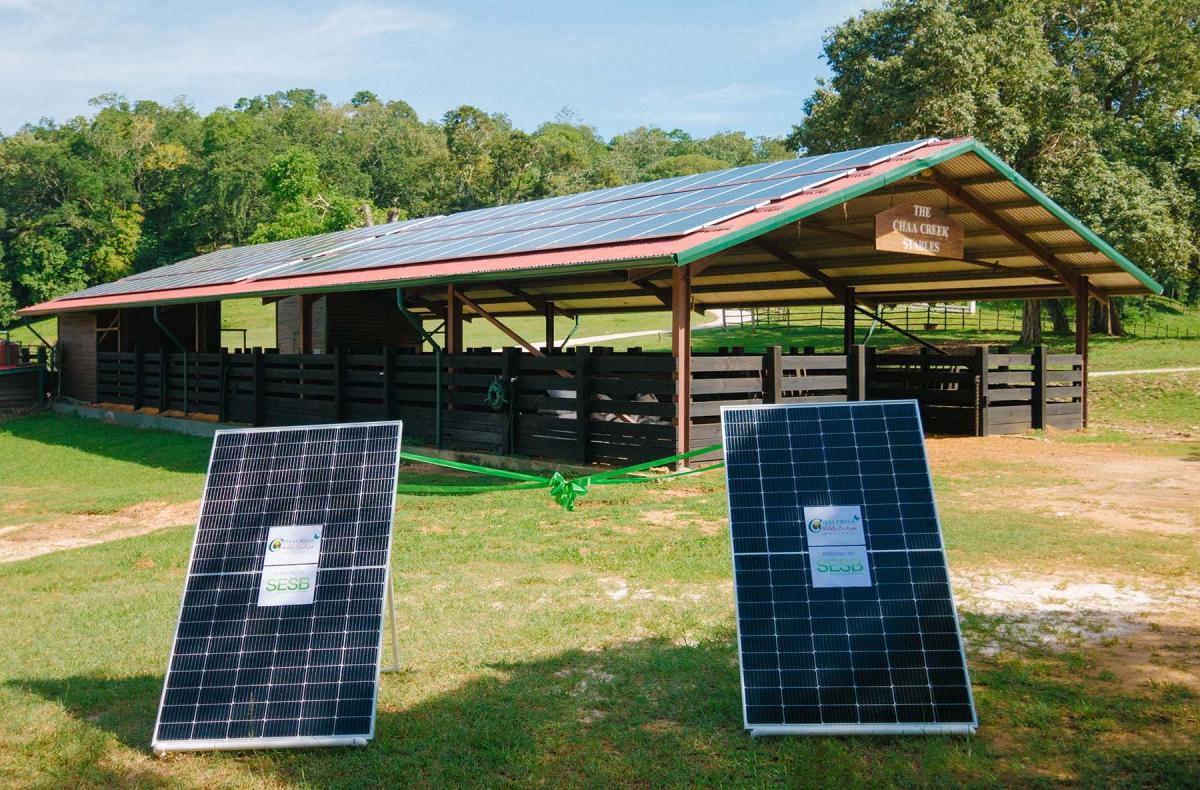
column 161, row 746
column 805, row 547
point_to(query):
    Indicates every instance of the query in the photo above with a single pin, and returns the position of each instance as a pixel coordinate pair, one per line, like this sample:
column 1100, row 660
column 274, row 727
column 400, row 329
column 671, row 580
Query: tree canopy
column 139, row 184
column 1096, row 101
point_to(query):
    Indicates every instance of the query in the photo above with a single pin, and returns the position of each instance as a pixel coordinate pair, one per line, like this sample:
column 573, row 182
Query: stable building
column 369, row 320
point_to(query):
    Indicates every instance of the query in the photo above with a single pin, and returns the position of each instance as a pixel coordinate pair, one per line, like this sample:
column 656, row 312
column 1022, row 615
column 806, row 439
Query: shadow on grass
column 159, row 449
column 657, row 713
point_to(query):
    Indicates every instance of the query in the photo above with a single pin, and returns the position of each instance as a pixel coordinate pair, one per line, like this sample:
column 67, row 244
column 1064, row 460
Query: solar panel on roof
column 846, row 620
column 655, row 209
column 278, row 639
column 239, row 263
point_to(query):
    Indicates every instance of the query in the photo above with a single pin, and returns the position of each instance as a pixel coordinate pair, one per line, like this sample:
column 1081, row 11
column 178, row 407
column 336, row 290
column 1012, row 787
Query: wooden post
column 509, row 360
column 681, row 350
column 583, row 402
column 187, row 401
column 258, row 385
column 549, row 347
column 773, row 375
column 848, row 312
column 164, row 375
column 867, row 366
column 137, row 378
column 339, row 402
column 1081, row 342
column 981, row 370
column 454, row 322
column 1037, row 404
column 389, row 383
column 223, row 385
column 856, row 373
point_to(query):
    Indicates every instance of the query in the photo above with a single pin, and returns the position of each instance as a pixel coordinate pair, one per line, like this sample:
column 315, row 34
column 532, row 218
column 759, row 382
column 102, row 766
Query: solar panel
column 846, row 620
column 238, row 263
column 278, row 639
column 655, row 209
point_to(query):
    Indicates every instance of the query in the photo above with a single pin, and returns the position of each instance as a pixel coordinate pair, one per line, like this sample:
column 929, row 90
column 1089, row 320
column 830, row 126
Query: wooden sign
column 919, row 230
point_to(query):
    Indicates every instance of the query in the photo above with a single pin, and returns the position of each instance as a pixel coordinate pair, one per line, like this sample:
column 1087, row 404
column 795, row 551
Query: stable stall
column 370, row 320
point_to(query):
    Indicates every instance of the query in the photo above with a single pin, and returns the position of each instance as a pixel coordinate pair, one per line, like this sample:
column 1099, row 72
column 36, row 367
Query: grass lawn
column 596, row 648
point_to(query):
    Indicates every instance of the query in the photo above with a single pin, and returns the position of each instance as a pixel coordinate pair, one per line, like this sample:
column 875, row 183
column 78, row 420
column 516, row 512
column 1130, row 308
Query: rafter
column 491, row 319
column 838, row 232
column 835, row 287
column 1068, row 276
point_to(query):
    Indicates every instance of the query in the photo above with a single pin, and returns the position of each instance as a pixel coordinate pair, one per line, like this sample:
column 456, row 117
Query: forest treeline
column 1097, row 102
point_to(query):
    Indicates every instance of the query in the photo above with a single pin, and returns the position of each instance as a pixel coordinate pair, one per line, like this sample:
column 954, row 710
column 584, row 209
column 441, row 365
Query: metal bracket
column 391, row 607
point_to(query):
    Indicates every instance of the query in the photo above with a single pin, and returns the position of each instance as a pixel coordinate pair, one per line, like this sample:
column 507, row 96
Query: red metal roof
column 498, row 267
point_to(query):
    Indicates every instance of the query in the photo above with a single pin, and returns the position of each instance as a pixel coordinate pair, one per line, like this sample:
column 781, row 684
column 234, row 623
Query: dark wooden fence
column 981, row 393
column 590, row 405
column 734, row 378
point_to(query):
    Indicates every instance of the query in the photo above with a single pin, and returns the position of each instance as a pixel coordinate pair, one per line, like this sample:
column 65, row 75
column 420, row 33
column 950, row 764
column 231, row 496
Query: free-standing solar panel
column 278, row 640
column 846, row 620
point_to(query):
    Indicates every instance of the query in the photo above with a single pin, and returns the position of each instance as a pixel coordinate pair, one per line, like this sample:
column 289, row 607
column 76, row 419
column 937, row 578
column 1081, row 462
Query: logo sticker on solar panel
column 845, row 618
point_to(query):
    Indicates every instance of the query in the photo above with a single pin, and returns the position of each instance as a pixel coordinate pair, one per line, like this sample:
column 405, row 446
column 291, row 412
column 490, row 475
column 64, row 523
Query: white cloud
column 725, row 104
column 363, row 20
column 59, row 52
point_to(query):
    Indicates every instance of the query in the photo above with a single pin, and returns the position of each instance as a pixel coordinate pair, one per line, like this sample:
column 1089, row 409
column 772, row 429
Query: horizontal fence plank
column 814, row 362
column 814, row 383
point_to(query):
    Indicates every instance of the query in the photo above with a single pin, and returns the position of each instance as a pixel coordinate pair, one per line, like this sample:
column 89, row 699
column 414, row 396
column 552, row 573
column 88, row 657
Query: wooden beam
column 491, row 319
column 681, row 350
column 847, row 321
column 1039, row 251
column 454, row 322
column 1081, row 340
column 836, row 288
column 549, row 346
column 663, row 295
column 974, row 261
column 537, row 302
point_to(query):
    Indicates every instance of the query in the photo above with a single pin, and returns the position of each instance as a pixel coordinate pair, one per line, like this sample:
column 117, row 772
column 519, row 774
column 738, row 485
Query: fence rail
column 939, row 317
column 590, row 405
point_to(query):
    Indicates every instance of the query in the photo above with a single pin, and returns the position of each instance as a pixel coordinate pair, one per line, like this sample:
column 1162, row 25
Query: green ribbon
column 563, row 490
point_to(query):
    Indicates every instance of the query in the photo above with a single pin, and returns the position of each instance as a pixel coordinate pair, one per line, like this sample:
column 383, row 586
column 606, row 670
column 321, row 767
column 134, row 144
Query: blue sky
column 700, row 66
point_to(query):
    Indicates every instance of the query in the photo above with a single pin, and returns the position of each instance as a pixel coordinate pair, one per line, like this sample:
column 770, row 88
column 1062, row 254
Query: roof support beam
column 539, row 303
column 496, row 322
column 1012, row 233
column 839, row 290
column 837, row 232
column 663, row 295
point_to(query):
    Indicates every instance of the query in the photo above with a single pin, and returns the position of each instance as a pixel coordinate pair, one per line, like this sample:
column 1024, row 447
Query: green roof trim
column 840, row 196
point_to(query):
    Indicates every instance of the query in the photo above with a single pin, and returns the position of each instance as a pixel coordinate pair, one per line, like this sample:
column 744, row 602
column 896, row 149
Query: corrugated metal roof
column 671, row 221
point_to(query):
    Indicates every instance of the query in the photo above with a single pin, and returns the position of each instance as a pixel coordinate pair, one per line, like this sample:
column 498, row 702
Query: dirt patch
column 22, row 541
column 673, row 519
column 1148, row 632
column 1111, row 486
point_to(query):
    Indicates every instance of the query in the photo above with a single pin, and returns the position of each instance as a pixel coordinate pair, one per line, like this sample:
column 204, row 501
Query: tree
column 1096, row 102
column 8, row 304
column 302, row 207
column 1031, row 322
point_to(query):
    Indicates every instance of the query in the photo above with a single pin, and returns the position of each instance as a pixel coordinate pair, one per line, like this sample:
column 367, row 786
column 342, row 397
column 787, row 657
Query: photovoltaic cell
column 244, row 673
column 655, row 209
column 846, row 620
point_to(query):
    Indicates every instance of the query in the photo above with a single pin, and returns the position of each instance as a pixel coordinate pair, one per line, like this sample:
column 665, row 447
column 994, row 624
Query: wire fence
column 950, row 317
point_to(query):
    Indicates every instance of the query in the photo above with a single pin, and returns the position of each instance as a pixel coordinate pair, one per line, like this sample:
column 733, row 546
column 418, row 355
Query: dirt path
column 1108, row 484
column 1143, row 372
column 22, row 541
column 1144, row 629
